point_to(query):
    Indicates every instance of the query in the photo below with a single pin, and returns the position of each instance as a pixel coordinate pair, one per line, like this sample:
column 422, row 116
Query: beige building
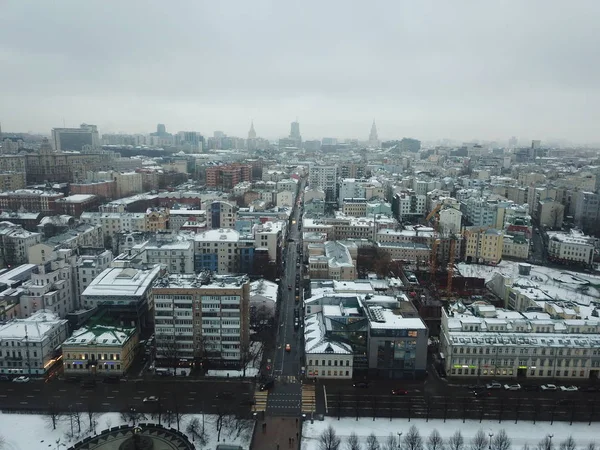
column 285, row 198
column 484, row 245
column 516, row 247
column 99, row 350
column 199, row 316
column 128, row 183
column 355, row 207
column 331, row 261
column 550, row 213
column 11, row 181
column 157, row 219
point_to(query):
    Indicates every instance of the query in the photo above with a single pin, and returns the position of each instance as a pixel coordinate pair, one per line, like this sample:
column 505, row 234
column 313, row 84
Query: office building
column 572, row 247
column 324, row 177
column 99, row 351
column 75, row 139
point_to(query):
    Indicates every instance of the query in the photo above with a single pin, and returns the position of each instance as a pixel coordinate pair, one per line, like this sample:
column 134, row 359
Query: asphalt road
column 188, row 395
column 436, row 398
column 285, row 397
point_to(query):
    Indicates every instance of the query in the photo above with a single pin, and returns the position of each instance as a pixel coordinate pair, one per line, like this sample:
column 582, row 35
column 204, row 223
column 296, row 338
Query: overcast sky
column 425, row 69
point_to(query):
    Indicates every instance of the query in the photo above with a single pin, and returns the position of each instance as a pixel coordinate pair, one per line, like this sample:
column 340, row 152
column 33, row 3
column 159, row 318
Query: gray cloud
column 434, row 69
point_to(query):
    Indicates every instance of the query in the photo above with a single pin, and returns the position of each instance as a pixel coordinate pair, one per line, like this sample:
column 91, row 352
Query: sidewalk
column 274, row 433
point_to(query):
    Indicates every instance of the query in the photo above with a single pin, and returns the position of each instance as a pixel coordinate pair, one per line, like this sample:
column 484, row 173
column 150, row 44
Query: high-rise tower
column 373, row 138
column 252, row 133
column 295, row 131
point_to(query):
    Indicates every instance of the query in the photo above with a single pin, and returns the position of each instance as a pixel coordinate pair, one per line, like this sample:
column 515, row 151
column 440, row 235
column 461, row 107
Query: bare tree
column 352, row 443
column 500, row 441
column 177, row 414
column 456, row 441
column 391, row 443
column 168, row 417
column 249, row 354
column 53, row 415
column 329, row 440
column 568, row 444
column 372, row 442
column 525, row 447
column 479, row 441
column 132, row 415
column 545, row 444
column 3, row 443
column 196, row 429
column 591, row 446
column 435, row 441
column 413, row 440
column 92, row 418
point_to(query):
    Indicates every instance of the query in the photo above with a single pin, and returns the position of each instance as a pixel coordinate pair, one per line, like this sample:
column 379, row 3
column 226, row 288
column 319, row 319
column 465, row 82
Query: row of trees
column 412, row 440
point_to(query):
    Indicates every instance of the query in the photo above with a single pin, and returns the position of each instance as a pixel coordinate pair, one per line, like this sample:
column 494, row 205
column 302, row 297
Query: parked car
column 512, row 387
column 151, row 399
column 399, row 392
column 548, row 387
column 4, row 378
column 493, row 385
column 21, row 379
column 569, row 388
column 288, row 348
column 361, row 384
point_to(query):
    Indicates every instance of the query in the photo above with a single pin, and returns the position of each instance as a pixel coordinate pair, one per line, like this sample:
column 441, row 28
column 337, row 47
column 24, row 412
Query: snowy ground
column 520, row 434
column 30, row 431
column 250, row 373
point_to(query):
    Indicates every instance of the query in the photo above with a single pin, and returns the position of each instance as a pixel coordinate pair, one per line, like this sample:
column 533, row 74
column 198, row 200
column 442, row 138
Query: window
column 347, row 373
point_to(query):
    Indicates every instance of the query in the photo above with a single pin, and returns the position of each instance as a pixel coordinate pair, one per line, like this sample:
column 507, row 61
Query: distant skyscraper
column 252, row 133
column 373, row 138
column 295, row 131
column 512, row 142
column 161, row 130
column 218, row 134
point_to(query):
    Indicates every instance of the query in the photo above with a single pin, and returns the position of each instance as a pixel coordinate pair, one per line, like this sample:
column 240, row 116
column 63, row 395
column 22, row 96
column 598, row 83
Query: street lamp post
column 490, row 442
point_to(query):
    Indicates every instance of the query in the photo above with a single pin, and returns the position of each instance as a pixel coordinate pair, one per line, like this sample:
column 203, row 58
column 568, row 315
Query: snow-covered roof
column 100, row 335
column 34, row 328
column 265, row 289
column 222, row 234
column 385, row 318
column 315, row 340
column 122, row 282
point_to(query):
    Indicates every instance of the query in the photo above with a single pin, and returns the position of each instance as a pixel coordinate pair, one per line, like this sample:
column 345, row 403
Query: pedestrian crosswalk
column 260, row 400
column 308, row 398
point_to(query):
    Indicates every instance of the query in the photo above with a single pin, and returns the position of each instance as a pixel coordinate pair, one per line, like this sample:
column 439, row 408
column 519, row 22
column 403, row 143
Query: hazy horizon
column 461, row 70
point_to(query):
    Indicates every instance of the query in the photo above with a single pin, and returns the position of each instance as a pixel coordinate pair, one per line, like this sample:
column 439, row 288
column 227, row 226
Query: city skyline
column 428, row 71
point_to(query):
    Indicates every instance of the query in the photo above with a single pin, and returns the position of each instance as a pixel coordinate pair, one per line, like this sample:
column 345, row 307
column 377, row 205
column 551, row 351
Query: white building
column 351, row 188
column 493, row 343
column 113, row 223
column 325, row 358
column 331, row 260
column 450, row 220
column 221, row 214
column 516, row 247
column 324, row 177
column 51, row 288
column 270, row 235
column 29, row 346
column 174, row 253
column 285, row 198
column 14, row 242
column 263, row 300
column 89, row 265
column 179, row 217
column 570, row 247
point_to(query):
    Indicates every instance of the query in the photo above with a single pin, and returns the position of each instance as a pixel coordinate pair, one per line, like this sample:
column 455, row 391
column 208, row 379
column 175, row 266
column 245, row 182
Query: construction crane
column 433, row 212
column 451, row 266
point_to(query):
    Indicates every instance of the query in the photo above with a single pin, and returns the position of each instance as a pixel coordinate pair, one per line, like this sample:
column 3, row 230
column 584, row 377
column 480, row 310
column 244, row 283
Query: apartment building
column 450, row 220
column 99, row 350
column 90, row 263
column 223, row 251
column 33, row 200
column 515, row 247
column 179, row 217
column 14, row 242
column 484, row 245
column 483, row 341
column 51, row 288
column 114, row 223
column 28, row 346
column 173, row 253
column 407, row 205
column 227, row 176
column 550, row 214
column 351, row 188
column 406, row 251
column 324, row 177
column 572, row 247
column 270, row 235
column 75, row 205
column 355, row 207
column 104, row 190
column 221, row 214
column 12, row 181
column 199, row 316
column 126, row 183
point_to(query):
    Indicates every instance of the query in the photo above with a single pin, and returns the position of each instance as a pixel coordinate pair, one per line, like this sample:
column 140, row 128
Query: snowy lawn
column 250, row 373
column 31, row 431
column 523, row 433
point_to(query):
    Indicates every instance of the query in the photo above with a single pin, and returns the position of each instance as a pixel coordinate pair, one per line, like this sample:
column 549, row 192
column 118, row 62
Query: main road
column 286, row 396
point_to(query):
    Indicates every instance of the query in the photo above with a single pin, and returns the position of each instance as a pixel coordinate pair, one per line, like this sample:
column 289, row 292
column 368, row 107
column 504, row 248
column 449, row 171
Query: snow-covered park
column 32, row 431
column 519, row 435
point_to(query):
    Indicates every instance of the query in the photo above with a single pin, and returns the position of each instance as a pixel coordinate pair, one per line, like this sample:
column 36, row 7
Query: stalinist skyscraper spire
column 373, row 138
column 252, row 133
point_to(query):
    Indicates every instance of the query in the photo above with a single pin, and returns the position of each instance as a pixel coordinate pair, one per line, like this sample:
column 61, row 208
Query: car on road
column 4, row 378
column 512, row 387
column 548, row 387
column 21, row 379
column 361, row 384
column 288, row 348
column 267, row 384
column 569, row 388
column 289, row 287
column 493, row 385
column 399, row 392
column 151, row 399
column 296, row 324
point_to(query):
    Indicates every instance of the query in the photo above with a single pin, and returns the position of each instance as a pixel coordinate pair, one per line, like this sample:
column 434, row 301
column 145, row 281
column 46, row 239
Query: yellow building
column 157, row 219
column 99, row 350
column 483, row 245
